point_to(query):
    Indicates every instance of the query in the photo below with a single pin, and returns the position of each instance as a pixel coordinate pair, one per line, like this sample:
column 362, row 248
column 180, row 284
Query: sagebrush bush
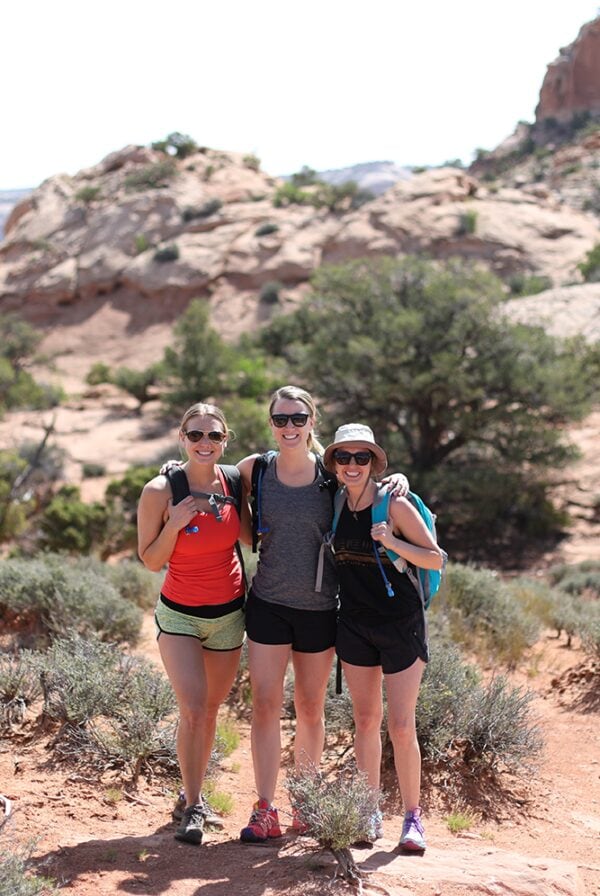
column 49, row 596
column 589, row 630
column 151, row 176
column 337, row 810
column 483, row 614
column 19, row 685
column 577, row 578
column 88, row 194
column 16, row 877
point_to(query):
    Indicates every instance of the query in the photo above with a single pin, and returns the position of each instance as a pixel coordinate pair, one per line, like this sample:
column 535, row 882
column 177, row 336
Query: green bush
column 142, row 243
column 590, row 630
column 138, row 382
column 153, row 176
column 467, row 223
column 204, row 211
column 47, row 596
column 88, row 194
column 289, row 194
column 16, row 878
column 69, row 524
column 577, row 578
column 266, row 228
column 590, row 267
column 269, row 292
column 167, row 253
column 251, row 161
column 483, row 614
column 92, row 470
column 177, row 144
column 522, row 284
column 98, row 373
column 19, row 685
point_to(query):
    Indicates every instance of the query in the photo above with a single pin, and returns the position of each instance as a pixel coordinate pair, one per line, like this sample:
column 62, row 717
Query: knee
column 402, row 730
column 309, row 711
column 194, row 713
column 366, row 721
column 266, row 703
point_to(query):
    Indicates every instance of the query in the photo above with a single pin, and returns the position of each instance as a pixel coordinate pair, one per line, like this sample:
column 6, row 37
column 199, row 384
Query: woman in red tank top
column 199, row 615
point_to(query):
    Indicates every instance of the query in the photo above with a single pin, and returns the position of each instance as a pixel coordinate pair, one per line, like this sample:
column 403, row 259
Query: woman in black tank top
column 381, row 629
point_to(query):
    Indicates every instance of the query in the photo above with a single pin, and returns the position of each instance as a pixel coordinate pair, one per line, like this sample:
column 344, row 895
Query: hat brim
column 378, row 464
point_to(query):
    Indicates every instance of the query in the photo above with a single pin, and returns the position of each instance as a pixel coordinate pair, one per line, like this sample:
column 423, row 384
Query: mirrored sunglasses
column 281, row 420
column 194, row 435
column 362, row 458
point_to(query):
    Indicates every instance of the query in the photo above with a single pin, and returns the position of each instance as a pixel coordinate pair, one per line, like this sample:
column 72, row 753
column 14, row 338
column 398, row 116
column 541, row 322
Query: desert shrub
column 251, row 161
column 577, row 578
column 204, row 211
column 19, row 685
column 158, row 174
column 290, row 194
column 269, row 292
column 98, row 373
column 87, row 194
column 337, row 810
column 134, row 582
column 447, row 686
column 138, row 383
column 82, row 678
column 266, row 228
column 167, row 253
column 16, row 877
column 177, row 144
column 499, row 727
column 590, row 266
column 467, row 223
column 483, row 614
column 48, row 596
column 589, row 630
column 522, row 284
column 339, row 197
column 142, row 243
column 91, row 470
column 69, row 524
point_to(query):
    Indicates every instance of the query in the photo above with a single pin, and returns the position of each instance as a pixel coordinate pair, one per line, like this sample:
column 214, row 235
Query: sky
column 326, row 84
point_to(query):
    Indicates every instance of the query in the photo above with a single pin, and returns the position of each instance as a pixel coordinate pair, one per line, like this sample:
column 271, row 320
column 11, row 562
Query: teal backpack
column 426, row 581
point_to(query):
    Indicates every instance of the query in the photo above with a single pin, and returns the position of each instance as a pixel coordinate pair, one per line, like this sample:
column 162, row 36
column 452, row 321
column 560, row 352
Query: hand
column 181, row 515
column 398, row 485
column 169, row 465
column 382, row 532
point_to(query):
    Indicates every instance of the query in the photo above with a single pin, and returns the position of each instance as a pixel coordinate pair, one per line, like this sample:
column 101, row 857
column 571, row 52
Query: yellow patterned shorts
column 220, row 633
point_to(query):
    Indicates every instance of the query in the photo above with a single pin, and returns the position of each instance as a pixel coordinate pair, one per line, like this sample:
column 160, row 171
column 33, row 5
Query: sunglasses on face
column 343, row 458
column 194, row 435
column 281, row 420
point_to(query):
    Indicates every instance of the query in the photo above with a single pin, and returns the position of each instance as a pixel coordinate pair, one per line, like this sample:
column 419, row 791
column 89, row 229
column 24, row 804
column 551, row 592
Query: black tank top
column 362, row 589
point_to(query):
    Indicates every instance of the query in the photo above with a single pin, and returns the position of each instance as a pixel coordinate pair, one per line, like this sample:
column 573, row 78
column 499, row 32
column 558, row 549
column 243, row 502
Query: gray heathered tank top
column 297, row 519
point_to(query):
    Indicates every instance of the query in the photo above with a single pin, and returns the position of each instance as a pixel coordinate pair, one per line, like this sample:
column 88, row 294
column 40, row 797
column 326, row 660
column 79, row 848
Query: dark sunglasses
column 281, row 420
column 362, row 458
column 194, row 435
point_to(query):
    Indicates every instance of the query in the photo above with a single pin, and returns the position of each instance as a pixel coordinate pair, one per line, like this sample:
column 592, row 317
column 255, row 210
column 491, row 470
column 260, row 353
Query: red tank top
column 204, row 567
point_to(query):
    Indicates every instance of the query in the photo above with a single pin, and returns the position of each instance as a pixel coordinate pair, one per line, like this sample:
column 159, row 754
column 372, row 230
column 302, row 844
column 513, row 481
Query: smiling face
column 290, row 436
column 205, row 450
column 353, row 475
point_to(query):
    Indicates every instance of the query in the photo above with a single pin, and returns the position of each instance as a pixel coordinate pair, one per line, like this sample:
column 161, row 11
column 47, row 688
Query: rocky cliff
column 572, row 83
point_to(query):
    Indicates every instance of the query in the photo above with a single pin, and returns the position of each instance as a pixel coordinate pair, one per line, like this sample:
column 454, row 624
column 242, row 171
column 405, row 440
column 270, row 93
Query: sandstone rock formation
column 572, row 82
column 153, row 229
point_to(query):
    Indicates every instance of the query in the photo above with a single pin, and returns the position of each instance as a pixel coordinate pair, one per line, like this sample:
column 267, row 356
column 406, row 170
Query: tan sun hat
column 360, row 436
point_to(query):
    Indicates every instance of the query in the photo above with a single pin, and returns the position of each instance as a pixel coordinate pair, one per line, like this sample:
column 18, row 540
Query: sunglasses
column 362, row 458
column 194, row 435
column 281, row 420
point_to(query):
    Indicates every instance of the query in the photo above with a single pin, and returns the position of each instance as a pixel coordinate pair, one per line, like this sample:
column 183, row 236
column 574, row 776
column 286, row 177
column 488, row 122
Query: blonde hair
column 295, row 393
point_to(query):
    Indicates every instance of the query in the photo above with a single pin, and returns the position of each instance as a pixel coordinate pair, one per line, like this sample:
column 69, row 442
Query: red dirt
column 542, row 837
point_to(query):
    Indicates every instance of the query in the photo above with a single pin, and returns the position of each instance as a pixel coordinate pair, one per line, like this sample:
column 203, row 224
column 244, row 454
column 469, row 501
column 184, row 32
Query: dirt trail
column 94, row 842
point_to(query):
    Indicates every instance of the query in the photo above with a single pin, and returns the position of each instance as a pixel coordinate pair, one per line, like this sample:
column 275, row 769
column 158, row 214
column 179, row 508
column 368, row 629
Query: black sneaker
column 192, row 825
column 210, row 816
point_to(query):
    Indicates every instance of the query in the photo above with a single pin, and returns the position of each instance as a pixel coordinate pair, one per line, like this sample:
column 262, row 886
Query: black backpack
column 258, row 471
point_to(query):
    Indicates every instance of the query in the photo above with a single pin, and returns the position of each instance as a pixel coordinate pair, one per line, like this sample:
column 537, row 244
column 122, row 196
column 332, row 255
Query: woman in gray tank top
column 285, row 617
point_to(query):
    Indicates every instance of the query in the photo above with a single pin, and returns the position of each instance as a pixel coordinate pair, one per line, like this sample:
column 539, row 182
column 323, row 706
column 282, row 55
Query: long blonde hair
column 295, row 393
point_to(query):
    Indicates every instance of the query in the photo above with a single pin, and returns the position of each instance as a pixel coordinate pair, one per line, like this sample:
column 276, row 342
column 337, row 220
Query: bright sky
column 325, row 83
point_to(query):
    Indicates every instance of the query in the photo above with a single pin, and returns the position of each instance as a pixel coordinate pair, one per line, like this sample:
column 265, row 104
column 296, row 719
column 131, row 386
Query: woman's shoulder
column 157, row 486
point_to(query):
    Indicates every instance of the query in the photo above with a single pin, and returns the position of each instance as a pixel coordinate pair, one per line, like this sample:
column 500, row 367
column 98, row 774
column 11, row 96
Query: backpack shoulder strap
column 339, row 499
column 258, row 471
column 380, row 513
column 329, row 479
column 178, row 482
column 233, row 478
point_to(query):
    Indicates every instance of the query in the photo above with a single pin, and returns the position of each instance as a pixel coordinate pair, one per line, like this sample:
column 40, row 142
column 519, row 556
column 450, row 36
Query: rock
column 572, row 81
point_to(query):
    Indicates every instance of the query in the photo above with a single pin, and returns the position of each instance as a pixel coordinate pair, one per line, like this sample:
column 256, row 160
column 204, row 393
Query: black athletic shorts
column 308, row 631
column 393, row 644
